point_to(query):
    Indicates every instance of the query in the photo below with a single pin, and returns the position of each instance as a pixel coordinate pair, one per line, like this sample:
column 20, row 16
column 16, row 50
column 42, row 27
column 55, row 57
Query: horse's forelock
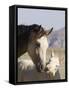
column 38, row 31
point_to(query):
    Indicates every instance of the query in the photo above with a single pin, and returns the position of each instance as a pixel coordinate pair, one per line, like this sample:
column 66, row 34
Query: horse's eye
column 37, row 44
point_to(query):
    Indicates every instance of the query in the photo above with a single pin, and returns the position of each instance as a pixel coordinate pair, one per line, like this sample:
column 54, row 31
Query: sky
column 46, row 18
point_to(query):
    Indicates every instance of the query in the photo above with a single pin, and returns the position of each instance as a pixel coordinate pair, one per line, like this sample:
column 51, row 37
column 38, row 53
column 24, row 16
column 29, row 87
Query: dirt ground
column 35, row 76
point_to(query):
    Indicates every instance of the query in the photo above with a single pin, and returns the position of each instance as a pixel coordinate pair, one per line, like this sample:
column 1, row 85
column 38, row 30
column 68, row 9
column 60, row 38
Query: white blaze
column 43, row 48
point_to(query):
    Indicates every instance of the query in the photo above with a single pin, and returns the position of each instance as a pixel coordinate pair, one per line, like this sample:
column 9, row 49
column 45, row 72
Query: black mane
column 26, row 28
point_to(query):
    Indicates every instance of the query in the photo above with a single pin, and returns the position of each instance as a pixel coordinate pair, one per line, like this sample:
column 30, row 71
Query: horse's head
column 37, row 46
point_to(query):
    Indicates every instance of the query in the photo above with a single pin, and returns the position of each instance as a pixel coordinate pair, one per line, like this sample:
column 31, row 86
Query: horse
column 33, row 39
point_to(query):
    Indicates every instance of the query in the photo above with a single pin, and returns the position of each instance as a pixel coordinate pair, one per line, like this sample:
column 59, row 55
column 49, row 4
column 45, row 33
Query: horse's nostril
column 40, row 67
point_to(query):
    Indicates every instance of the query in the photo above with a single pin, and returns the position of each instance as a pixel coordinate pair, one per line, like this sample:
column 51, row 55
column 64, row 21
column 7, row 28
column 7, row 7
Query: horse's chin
column 40, row 70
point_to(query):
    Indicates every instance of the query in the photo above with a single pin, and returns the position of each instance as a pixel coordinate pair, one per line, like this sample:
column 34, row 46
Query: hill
column 57, row 38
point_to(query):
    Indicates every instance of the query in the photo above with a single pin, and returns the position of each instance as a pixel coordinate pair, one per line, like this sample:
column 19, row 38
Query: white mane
column 26, row 64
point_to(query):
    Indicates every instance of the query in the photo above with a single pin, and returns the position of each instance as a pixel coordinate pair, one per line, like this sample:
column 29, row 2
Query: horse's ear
column 39, row 26
column 36, row 29
column 49, row 31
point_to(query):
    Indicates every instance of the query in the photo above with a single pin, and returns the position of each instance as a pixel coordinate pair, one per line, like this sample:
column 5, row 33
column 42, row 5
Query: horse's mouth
column 40, row 68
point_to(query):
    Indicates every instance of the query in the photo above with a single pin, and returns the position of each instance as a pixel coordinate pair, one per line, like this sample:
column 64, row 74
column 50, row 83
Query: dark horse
column 33, row 39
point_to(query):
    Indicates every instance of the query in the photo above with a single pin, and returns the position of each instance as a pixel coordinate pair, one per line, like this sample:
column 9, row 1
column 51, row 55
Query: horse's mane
column 26, row 28
column 23, row 33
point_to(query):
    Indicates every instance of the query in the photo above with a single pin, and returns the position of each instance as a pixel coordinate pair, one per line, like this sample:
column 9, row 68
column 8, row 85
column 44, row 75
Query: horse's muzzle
column 40, row 67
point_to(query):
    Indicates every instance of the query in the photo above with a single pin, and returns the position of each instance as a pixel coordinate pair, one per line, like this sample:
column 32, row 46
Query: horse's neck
column 22, row 43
